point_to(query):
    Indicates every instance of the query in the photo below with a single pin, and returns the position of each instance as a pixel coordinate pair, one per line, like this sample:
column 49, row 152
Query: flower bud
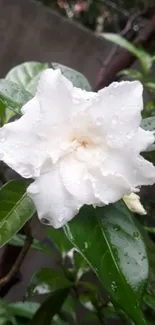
column 133, row 203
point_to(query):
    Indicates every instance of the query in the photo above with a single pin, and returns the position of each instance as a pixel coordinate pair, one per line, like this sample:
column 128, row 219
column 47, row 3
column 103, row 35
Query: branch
column 125, row 59
column 15, row 268
column 124, row 32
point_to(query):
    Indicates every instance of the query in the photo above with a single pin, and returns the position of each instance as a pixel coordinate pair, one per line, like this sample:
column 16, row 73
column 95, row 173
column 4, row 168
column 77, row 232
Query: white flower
column 133, row 203
column 80, row 147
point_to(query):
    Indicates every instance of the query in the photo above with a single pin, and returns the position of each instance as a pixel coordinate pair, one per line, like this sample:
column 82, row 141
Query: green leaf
column 80, row 264
column 2, row 113
column 150, row 301
column 27, row 75
column 148, row 124
column 113, row 246
column 150, row 86
column 13, row 97
column 46, row 281
column 15, row 209
column 18, row 240
column 74, row 76
column 6, row 316
column 24, row 309
column 131, row 73
column 50, row 307
column 144, row 57
column 59, row 239
column 69, row 307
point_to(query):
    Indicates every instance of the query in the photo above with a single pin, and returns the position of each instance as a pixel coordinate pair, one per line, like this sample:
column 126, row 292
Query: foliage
column 108, row 243
column 98, row 15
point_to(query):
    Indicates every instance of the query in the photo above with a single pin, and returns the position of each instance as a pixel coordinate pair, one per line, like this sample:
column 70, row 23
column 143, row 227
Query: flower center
column 83, row 141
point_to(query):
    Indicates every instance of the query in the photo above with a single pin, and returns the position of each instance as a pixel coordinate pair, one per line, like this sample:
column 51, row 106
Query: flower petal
column 109, row 187
column 142, row 140
column 20, row 146
column 142, row 171
column 76, row 180
column 54, row 96
column 55, row 206
column 134, row 169
column 117, row 110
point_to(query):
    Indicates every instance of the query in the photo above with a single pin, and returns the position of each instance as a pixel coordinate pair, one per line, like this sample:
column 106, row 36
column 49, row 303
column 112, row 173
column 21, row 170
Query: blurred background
column 71, row 33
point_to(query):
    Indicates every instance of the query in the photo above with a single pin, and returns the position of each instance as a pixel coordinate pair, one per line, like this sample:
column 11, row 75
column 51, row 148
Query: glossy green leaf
column 50, row 307
column 15, row 209
column 13, row 97
column 151, row 256
column 47, row 280
column 111, row 243
column 148, row 124
column 18, row 240
column 80, row 264
column 74, row 76
column 27, row 75
column 144, row 57
column 59, row 239
column 24, row 309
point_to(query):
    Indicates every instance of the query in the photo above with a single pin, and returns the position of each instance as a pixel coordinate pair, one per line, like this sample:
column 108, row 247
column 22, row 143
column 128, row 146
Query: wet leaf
column 111, row 243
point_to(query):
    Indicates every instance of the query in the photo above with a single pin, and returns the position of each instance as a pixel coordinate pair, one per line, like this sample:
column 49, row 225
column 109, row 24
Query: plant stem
column 149, row 229
column 27, row 244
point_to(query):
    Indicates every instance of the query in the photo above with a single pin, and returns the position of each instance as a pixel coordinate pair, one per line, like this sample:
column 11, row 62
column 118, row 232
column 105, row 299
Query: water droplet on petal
column 111, row 137
column 61, row 217
column 99, row 121
column 129, row 136
column 115, row 120
column 112, row 95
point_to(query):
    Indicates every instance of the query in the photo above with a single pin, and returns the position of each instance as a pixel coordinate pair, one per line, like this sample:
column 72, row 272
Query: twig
column 124, row 32
column 15, row 268
column 132, row 19
column 114, row 6
column 2, row 177
column 124, row 59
